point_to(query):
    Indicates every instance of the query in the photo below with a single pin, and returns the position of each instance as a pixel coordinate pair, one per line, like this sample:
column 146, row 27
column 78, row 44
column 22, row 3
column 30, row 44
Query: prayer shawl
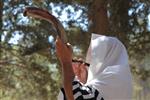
column 109, row 70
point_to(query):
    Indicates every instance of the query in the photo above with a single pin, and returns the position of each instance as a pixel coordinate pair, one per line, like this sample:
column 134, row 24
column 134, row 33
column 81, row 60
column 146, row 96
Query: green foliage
column 28, row 77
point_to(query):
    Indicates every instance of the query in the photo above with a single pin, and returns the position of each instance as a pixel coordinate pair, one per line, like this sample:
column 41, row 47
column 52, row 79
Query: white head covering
column 109, row 71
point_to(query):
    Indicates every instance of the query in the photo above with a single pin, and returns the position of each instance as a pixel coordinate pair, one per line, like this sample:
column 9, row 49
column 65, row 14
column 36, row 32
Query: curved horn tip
column 25, row 13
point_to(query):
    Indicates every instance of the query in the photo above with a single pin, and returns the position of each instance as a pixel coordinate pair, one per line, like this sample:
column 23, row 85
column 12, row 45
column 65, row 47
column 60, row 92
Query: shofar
column 45, row 15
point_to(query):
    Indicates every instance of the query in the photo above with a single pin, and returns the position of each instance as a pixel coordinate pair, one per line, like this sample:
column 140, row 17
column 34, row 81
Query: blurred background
column 29, row 68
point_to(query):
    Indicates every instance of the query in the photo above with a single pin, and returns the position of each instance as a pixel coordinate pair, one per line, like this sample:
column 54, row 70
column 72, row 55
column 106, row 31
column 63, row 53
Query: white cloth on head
column 109, row 70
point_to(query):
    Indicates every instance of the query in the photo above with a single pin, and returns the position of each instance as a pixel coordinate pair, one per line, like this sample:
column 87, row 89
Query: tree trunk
column 118, row 22
column 98, row 18
column 119, row 19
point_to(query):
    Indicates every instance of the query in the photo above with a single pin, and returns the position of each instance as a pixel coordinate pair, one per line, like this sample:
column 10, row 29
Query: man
column 109, row 76
column 80, row 70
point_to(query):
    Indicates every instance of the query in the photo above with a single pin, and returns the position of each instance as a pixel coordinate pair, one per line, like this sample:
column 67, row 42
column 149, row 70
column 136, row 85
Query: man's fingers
column 60, row 43
column 69, row 46
column 62, row 47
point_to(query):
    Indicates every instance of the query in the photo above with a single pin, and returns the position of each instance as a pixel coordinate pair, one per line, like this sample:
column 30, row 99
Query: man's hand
column 80, row 70
column 63, row 51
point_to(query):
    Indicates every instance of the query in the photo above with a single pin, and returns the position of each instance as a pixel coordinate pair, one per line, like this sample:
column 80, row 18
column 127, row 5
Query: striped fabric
column 81, row 92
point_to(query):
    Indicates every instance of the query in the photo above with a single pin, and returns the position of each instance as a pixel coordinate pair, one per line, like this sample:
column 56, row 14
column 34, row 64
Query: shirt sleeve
column 81, row 92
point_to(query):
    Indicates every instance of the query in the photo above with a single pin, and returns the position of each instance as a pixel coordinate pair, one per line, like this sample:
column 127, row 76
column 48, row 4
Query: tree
column 97, row 14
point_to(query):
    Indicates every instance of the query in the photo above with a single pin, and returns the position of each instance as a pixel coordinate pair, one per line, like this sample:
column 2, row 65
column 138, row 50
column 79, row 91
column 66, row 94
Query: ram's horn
column 45, row 15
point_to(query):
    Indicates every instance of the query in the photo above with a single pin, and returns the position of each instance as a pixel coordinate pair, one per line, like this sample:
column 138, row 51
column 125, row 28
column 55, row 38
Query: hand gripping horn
column 45, row 15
